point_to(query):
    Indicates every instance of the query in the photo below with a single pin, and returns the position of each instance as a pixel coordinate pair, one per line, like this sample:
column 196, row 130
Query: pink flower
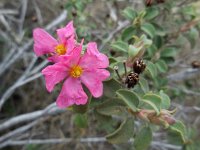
column 44, row 43
column 75, row 69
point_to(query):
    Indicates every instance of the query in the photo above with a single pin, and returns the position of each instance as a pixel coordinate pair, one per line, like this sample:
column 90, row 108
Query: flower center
column 60, row 49
column 76, row 71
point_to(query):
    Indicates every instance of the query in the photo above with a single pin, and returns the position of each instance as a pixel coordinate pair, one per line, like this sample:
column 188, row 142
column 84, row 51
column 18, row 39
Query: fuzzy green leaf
column 111, row 107
column 168, row 52
column 161, row 66
column 153, row 100
column 144, row 85
column 149, row 29
column 130, row 98
column 110, row 87
column 151, row 13
column 143, row 139
column 178, row 129
column 151, row 68
column 123, row 133
column 128, row 33
column 80, row 120
column 120, row 46
column 165, row 104
column 129, row 13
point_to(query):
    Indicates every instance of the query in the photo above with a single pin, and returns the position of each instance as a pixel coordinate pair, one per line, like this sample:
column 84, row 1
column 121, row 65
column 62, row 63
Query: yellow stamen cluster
column 60, row 49
column 76, row 71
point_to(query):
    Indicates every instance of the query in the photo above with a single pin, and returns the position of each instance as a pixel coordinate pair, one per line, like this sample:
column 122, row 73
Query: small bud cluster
column 165, row 117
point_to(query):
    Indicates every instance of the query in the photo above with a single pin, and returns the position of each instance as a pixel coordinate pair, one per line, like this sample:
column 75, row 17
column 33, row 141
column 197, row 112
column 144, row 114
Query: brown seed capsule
column 132, row 79
column 160, row 1
column 149, row 2
column 196, row 64
column 139, row 66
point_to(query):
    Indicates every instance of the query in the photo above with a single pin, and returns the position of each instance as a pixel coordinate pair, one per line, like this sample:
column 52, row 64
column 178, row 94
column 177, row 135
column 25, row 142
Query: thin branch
column 111, row 34
column 18, row 131
column 51, row 109
column 183, row 75
column 6, row 64
column 82, row 140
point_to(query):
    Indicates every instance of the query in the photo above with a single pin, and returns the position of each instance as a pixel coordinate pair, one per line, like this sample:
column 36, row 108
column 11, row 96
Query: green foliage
column 80, row 120
column 120, row 46
column 130, row 98
column 151, row 69
column 129, row 13
column 152, row 34
column 153, row 101
column 149, row 29
column 165, row 103
column 111, row 107
column 123, row 133
column 161, row 66
column 177, row 133
column 151, row 13
column 143, row 139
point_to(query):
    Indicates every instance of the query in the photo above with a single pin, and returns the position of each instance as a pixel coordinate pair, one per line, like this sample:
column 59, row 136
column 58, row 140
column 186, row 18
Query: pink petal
column 92, row 50
column 73, row 58
column 93, row 80
column 54, row 74
column 71, row 93
column 93, row 58
column 66, row 32
column 91, row 61
column 44, row 43
column 70, row 44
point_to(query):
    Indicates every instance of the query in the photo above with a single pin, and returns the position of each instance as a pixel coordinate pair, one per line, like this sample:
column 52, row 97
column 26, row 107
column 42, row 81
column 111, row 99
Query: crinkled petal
column 93, row 58
column 70, row 44
column 93, row 80
column 93, row 50
column 92, row 62
column 73, row 58
column 54, row 74
column 44, row 43
column 67, row 32
column 71, row 93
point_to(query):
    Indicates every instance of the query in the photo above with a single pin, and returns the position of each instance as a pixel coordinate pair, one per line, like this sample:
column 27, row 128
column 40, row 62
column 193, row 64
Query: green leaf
column 165, row 104
column 152, row 50
column 161, row 66
column 130, row 98
column 80, row 120
column 151, row 68
column 160, row 30
column 151, row 13
column 168, row 52
column 111, row 107
column 178, row 129
column 80, row 108
column 153, row 100
column 129, row 13
column 144, row 85
column 110, row 87
column 149, row 29
column 133, row 51
column 120, row 46
column 123, row 133
column 158, row 41
column 192, row 36
column 143, row 139
column 128, row 33
column 189, row 10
